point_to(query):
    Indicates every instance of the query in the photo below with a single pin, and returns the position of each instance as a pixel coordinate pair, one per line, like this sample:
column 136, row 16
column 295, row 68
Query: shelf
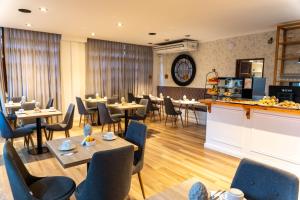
column 290, row 43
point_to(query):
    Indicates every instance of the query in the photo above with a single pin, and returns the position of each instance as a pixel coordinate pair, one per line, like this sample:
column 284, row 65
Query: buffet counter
column 267, row 134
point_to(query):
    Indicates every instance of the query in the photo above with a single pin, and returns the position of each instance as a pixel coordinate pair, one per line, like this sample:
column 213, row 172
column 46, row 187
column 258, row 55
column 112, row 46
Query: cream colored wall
column 221, row 55
column 72, row 70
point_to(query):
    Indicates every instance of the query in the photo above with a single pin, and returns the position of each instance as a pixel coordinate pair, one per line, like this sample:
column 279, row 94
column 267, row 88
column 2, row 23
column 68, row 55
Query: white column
column 73, row 66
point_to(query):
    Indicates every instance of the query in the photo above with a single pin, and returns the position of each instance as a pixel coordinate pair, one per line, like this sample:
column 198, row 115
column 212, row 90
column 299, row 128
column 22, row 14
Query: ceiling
column 204, row 20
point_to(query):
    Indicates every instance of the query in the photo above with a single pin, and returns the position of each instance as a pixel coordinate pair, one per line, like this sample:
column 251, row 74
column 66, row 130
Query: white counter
column 269, row 137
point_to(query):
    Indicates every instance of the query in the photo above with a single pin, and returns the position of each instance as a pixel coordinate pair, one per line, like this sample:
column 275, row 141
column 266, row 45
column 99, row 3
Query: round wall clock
column 183, row 70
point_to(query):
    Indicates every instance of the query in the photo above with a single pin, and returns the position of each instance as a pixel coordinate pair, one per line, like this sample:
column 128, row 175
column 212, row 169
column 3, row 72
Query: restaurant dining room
column 154, row 100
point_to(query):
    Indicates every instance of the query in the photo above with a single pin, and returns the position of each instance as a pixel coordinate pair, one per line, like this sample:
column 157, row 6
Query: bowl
column 88, row 144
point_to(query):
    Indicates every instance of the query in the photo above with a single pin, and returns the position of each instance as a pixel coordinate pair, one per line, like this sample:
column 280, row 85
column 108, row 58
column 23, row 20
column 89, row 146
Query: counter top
column 248, row 107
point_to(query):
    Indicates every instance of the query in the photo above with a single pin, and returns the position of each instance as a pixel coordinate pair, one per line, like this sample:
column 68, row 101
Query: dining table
column 83, row 154
column 95, row 100
column 126, row 107
column 38, row 115
column 186, row 105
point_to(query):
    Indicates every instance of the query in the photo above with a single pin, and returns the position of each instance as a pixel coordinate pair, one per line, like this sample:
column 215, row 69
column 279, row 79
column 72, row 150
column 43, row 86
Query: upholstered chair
column 170, row 111
column 262, row 182
column 108, row 177
column 137, row 134
column 29, row 187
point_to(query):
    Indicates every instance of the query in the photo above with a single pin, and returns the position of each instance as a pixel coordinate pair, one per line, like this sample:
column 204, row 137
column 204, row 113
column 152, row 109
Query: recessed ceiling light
column 93, row 34
column 28, row 24
column 24, row 10
column 119, row 24
column 43, row 9
column 151, row 33
column 187, row 36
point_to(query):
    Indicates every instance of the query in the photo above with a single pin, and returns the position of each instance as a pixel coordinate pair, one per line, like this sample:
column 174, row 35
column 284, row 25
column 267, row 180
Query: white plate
column 222, row 197
column 71, row 147
column 52, row 110
column 109, row 139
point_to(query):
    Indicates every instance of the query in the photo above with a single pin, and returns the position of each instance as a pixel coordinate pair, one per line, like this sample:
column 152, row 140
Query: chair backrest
column 109, row 175
column 137, row 134
column 131, row 97
column 18, row 176
column 150, row 105
column 28, row 106
column 81, row 108
column 112, row 100
column 169, row 107
column 262, row 182
column 69, row 117
column 50, row 103
column 143, row 111
column 5, row 128
column 104, row 115
column 16, row 99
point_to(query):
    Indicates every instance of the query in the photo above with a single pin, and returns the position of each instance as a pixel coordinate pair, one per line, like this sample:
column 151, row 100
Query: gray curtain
column 114, row 69
column 2, row 79
column 33, row 65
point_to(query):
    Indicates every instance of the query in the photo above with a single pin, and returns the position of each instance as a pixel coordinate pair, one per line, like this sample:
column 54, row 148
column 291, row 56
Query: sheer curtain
column 114, row 69
column 33, row 65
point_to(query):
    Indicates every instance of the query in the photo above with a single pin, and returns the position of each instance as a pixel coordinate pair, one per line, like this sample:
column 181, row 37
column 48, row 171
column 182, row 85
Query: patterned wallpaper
column 221, row 55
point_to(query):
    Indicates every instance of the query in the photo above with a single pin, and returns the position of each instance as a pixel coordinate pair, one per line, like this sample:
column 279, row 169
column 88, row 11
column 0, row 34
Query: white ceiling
column 204, row 20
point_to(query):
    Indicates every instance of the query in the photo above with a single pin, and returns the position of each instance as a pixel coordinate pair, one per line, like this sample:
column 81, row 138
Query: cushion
column 53, row 188
column 21, row 132
column 56, row 127
column 33, row 126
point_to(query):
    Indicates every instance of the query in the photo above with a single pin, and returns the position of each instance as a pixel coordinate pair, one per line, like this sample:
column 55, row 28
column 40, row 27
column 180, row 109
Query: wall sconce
column 150, row 77
column 166, row 76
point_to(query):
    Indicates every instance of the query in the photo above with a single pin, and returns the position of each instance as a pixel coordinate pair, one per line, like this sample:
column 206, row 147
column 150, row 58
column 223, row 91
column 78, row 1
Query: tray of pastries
column 268, row 101
column 288, row 105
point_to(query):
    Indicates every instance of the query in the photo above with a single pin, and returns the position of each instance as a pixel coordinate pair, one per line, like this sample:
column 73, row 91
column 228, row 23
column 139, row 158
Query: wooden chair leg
column 181, row 120
column 26, row 142
column 52, row 135
column 114, row 127
column 166, row 120
column 32, row 143
column 141, row 184
column 46, row 134
column 80, row 120
column 102, row 127
column 12, row 141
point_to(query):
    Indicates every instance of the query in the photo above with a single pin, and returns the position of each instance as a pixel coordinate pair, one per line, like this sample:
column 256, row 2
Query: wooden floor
column 173, row 154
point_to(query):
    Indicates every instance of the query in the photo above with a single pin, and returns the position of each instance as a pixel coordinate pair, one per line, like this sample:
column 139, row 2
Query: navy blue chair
column 137, row 134
column 86, row 113
column 262, row 182
column 65, row 125
column 170, row 111
column 9, row 134
column 107, row 118
column 141, row 113
column 108, row 177
column 29, row 187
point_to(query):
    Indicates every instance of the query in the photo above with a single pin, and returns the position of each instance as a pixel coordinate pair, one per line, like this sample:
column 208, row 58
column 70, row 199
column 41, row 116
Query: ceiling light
column 119, row 24
column 28, row 25
column 151, row 33
column 93, row 34
column 23, row 10
column 43, row 9
column 187, row 36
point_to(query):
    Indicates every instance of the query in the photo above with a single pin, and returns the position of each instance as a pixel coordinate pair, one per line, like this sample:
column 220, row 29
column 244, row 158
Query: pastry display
column 228, row 99
column 268, row 101
column 228, row 94
column 213, row 80
column 289, row 104
column 212, row 91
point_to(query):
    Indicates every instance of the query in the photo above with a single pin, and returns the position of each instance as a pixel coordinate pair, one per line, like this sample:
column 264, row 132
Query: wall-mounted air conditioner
column 176, row 46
